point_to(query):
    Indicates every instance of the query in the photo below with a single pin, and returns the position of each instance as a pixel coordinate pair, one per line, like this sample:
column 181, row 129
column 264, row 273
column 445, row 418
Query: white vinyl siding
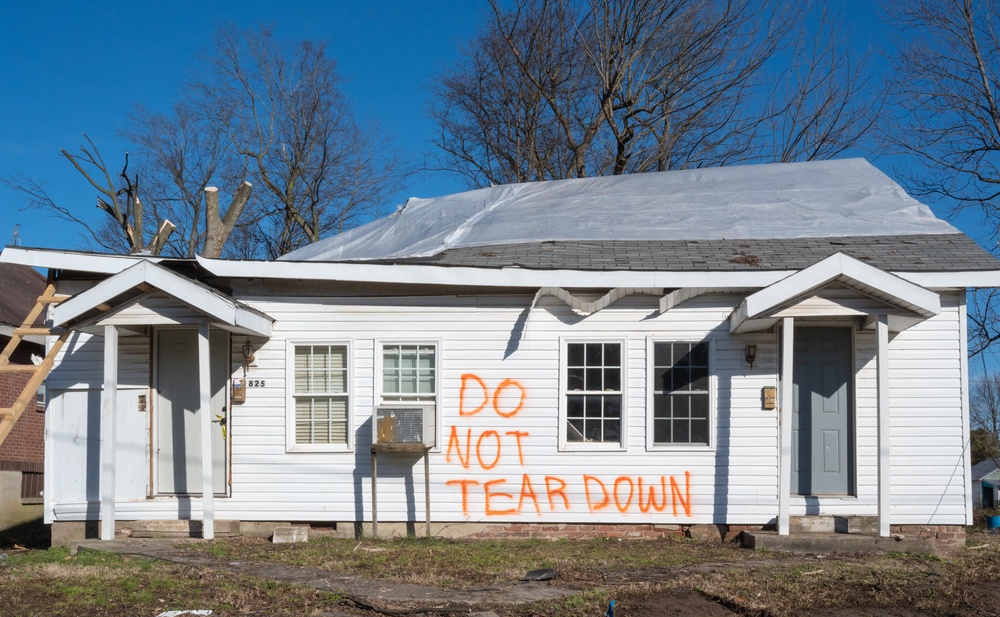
column 320, row 406
column 498, row 387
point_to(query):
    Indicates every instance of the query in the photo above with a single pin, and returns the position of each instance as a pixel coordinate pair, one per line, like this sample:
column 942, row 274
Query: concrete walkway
column 366, row 593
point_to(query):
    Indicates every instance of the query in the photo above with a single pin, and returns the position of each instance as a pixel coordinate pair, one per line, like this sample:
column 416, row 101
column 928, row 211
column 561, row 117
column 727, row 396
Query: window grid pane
column 320, row 394
column 321, row 369
column 408, row 373
column 593, row 399
column 681, row 393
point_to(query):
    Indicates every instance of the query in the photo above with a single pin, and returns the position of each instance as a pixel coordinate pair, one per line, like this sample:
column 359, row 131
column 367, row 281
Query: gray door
column 822, row 440
column 178, row 422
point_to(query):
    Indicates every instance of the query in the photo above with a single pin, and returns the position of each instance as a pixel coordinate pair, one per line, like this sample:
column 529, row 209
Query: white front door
column 177, row 423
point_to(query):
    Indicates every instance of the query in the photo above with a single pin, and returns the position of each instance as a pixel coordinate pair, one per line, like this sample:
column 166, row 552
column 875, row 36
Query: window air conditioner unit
column 405, row 424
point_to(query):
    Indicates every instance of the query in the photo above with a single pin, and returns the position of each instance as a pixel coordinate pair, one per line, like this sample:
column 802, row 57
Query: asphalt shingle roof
column 982, row 469
column 20, row 287
column 906, row 253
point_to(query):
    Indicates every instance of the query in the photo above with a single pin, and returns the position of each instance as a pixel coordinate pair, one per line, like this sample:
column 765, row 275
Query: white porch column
column 785, row 423
column 882, row 379
column 205, row 390
column 109, row 413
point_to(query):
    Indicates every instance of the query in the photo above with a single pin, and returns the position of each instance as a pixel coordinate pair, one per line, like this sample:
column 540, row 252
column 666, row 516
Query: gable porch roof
column 140, row 278
column 758, row 310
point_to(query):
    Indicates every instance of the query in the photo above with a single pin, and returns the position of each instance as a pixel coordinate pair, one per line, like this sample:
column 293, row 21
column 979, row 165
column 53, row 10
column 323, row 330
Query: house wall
column 510, row 469
column 22, row 451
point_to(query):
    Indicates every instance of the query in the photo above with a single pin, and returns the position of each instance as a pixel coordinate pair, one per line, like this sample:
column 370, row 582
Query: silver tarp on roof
column 837, row 198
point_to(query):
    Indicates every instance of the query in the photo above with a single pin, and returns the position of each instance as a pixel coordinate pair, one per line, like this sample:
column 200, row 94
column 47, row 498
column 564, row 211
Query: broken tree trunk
column 218, row 227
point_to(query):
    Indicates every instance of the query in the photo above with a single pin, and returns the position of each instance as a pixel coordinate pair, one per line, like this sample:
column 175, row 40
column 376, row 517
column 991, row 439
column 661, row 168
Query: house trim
column 463, row 275
column 142, row 276
column 757, row 311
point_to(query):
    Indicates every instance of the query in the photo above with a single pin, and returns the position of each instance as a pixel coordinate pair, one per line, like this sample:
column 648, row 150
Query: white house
column 735, row 346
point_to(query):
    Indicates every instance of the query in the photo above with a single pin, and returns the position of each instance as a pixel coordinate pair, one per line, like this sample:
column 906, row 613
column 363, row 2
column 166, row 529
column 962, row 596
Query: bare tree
column 281, row 109
column 571, row 88
column 984, row 417
column 264, row 112
column 948, row 119
column 118, row 196
column 179, row 157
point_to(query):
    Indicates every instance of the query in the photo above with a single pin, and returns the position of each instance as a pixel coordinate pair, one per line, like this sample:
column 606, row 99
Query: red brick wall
column 25, row 443
column 583, row 530
column 948, row 539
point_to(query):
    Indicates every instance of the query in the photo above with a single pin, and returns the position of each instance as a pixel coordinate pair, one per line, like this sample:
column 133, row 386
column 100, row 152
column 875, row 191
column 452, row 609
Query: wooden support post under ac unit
column 10, row 415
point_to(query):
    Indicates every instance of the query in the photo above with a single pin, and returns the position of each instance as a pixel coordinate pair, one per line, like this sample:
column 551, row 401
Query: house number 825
column 255, row 383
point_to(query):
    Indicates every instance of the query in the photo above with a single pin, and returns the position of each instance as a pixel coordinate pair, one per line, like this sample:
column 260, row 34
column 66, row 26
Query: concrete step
column 833, row 524
column 811, row 524
column 821, row 543
column 174, row 529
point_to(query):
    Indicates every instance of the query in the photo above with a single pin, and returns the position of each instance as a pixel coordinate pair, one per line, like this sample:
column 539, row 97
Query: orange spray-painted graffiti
column 499, row 497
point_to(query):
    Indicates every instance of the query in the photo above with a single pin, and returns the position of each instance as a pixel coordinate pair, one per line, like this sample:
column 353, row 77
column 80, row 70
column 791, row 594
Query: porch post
column 109, row 413
column 785, row 424
column 882, row 380
column 205, row 390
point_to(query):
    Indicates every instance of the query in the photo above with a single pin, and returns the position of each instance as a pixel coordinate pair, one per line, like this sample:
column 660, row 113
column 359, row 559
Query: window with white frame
column 681, row 382
column 409, row 373
column 593, row 396
column 320, row 397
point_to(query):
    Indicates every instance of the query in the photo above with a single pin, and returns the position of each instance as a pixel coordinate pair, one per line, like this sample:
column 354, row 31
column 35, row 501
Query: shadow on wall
column 32, row 534
column 390, row 466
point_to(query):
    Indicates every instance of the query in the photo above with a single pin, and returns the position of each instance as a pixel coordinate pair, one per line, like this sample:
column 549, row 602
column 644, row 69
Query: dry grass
column 750, row 583
column 458, row 563
column 51, row 583
column 642, row 575
column 969, row 584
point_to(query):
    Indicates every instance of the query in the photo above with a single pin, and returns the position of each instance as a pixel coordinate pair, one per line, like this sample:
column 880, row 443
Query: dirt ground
column 256, row 578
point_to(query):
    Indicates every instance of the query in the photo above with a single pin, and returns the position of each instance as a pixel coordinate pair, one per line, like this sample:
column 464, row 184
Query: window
column 409, row 373
column 320, row 397
column 593, row 393
column 680, row 393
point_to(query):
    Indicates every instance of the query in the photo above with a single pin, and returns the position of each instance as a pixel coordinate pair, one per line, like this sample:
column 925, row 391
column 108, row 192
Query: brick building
column 21, row 453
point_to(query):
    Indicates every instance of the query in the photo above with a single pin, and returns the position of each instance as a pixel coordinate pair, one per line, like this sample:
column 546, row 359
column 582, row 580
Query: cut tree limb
column 219, row 226
column 160, row 239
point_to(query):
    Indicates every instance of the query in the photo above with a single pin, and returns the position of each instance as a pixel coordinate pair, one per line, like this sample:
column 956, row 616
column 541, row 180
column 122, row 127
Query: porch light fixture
column 248, row 356
column 751, row 354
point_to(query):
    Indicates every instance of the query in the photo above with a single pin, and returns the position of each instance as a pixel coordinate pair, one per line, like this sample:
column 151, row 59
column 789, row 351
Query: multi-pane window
column 594, row 392
column 320, row 394
column 681, row 396
column 409, row 373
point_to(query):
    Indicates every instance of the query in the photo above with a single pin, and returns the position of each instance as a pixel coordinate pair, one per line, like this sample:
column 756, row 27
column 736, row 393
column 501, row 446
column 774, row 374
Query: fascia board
column 253, row 322
column 204, row 300
column 107, row 289
column 491, row 277
column 916, row 297
column 68, row 260
column 952, row 280
column 501, row 277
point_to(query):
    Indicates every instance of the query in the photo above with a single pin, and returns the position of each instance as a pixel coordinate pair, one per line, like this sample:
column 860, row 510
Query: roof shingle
column 907, row 253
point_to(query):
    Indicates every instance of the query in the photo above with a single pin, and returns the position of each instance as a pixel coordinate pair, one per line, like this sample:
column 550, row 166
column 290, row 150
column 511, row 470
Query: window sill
column 578, row 446
column 311, row 449
column 680, row 448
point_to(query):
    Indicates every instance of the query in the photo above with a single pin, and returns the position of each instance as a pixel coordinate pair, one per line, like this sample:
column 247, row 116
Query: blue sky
column 69, row 68
column 72, row 67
